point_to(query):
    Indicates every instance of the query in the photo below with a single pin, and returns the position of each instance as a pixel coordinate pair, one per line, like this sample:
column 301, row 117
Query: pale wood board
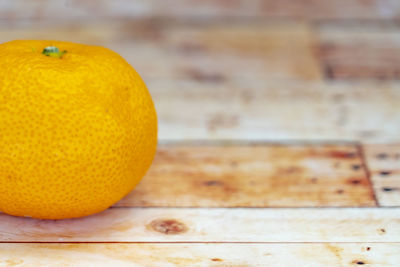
column 360, row 51
column 192, row 9
column 384, row 164
column 218, row 52
column 201, row 52
column 254, row 175
column 248, row 110
column 285, row 255
column 212, row 225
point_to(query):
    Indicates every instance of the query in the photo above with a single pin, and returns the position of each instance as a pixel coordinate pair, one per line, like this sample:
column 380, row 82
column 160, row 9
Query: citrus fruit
column 78, row 129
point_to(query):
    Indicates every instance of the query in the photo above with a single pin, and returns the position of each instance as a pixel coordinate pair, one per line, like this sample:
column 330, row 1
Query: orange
column 78, row 129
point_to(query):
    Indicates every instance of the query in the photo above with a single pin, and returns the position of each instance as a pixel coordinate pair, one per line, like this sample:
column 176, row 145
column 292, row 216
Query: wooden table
column 279, row 134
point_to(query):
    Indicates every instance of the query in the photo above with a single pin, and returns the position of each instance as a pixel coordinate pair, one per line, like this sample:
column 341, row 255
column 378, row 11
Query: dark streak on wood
column 202, row 76
column 355, row 181
column 356, row 167
column 340, row 191
column 389, row 189
column 342, row 154
column 213, row 183
column 328, row 72
column 382, row 156
column 385, row 173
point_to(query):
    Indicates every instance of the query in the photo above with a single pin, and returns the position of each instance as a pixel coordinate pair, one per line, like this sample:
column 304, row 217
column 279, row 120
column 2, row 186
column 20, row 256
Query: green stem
column 52, row 51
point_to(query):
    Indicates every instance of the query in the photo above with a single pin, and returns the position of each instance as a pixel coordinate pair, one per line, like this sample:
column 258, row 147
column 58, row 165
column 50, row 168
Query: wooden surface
column 204, row 254
column 201, row 225
column 257, row 175
column 278, row 111
column 279, row 128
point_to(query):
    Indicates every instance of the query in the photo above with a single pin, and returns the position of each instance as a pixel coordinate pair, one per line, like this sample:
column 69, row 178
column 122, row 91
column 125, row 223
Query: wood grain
column 202, row 52
column 384, row 165
column 190, row 10
column 211, row 225
column 254, row 176
column 360, row 51
column 277, row 111
column 311, row 255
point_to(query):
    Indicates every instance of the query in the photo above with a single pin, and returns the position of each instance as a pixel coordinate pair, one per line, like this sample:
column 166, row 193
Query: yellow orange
column 78, row 129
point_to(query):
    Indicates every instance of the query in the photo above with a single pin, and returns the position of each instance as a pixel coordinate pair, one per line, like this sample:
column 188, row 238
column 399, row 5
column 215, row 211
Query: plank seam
column 243, row 142
column 367, row 171
column 254, row 207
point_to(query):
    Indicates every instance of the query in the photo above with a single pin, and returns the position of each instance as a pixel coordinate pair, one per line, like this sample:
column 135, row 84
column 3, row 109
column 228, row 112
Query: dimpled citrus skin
column 77, row 133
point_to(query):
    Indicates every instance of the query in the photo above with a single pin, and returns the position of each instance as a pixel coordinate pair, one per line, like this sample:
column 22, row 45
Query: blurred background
column 244, row 69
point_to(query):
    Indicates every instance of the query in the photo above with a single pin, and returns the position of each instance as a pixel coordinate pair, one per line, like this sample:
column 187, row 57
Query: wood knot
column 213, row 183
column 382, row 156
column 385, row 173
column 354, row 181
column 339, row 191
column 356, row 167
column 342, row 154
column 168, row 226
column 381, row 231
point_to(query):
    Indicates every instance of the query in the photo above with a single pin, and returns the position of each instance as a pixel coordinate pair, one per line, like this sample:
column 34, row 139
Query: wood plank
column 254, row 176
column 218, row 52
column 384, row 164
column 360, row 51
column 201, row 52
column 209, row 9
column 277, row 111
column 311, row 255
column 211, row 225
